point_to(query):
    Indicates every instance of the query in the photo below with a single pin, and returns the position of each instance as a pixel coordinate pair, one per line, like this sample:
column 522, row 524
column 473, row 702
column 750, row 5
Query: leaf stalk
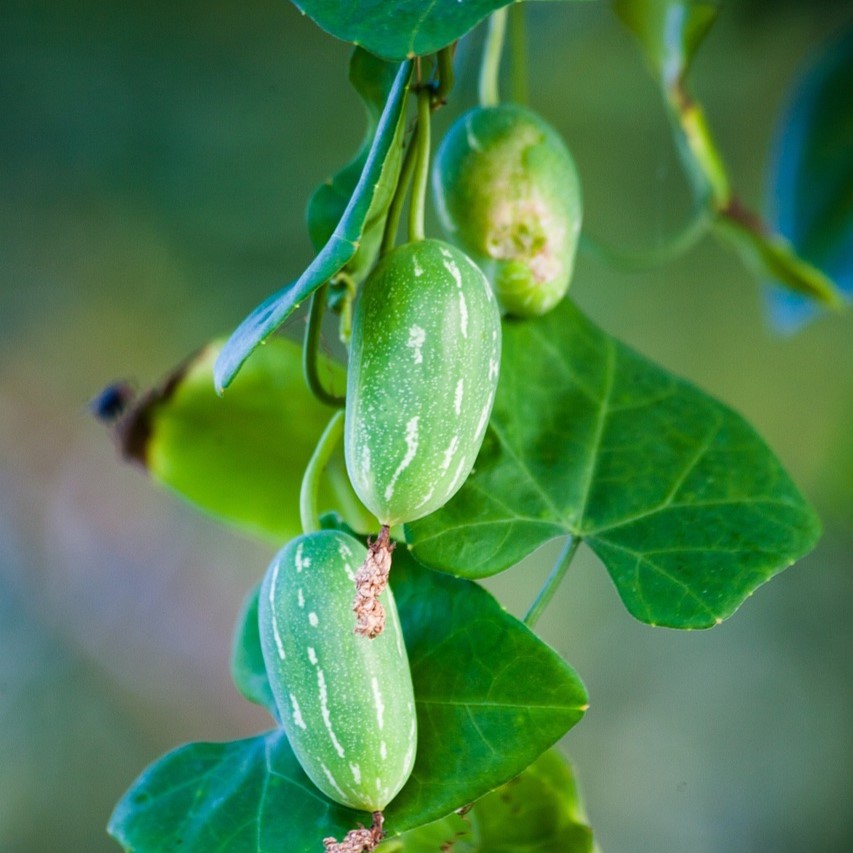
column 552, row 582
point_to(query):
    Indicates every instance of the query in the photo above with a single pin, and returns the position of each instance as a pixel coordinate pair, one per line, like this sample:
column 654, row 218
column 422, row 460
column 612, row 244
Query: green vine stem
column 518, row 53
column 311, row 349
column 417, row 203
column 395, row 210
column 308, row 512
column 700, row 155
column 663, row 253
column 491, row 65
column 546, row 593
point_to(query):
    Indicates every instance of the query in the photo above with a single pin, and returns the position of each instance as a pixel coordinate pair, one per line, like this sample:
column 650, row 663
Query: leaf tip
column 223, row 371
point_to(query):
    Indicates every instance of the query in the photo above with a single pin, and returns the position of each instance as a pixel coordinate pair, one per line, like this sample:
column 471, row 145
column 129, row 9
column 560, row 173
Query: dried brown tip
column 370, row 580
column 359, row 840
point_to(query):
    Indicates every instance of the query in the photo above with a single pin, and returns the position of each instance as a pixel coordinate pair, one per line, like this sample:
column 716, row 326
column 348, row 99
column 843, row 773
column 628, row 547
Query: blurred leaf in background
column 809, row 195
column 157, row 160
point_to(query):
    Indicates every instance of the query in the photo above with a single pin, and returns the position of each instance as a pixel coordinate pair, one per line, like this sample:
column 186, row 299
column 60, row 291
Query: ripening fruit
column 507, row 193
column 423, row 372
column 346, row 704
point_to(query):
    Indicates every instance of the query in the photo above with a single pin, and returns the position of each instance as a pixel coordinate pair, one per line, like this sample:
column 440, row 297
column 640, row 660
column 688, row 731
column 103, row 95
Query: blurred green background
column 155, row 161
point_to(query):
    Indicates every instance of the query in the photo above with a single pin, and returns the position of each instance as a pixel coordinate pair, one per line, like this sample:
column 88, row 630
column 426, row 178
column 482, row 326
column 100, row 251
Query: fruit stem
column 417, row 203
column 546, row 593
column 370, row 581
column 518, row 48
column 491, row 65
column 311, row 349
column 308, row 511
column 395, row 210
column 359, row 840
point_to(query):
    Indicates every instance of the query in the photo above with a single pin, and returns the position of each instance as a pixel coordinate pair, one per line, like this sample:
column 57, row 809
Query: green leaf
column 810, row 191
column 248, row 670
column 240, row 458
column 669, row 32
column 537, row 812
column 490, row 698
column 383, row 161
column 681, row 500
column 373, row 79
column 490, row 695
column 397, row 29
column 245, row 796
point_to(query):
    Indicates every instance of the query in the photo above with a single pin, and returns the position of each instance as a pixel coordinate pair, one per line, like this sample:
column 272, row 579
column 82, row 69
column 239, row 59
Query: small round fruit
column 508, row 194
column 422, row 377
column 346, row 704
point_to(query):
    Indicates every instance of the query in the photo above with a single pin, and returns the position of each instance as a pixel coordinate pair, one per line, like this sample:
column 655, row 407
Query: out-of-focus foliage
column 810, row 191
column 156, row 162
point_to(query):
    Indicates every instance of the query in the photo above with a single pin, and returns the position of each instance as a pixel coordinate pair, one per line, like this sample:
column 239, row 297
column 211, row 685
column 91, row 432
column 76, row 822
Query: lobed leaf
column 490, row 698
column 678, row 496
column 490, row 695
column 370, row 193
column 810, row 186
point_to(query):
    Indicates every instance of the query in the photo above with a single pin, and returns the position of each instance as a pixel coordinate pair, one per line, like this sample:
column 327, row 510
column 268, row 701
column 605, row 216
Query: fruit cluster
column 423, row 369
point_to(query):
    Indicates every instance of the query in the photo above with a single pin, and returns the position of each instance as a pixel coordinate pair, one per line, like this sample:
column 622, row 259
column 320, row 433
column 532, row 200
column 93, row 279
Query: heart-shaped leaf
column 380, row 170
column 241, row 458
column 678, row 496
column 490, row 697
column 810, row 189
column 537, row 812
column 373, row 79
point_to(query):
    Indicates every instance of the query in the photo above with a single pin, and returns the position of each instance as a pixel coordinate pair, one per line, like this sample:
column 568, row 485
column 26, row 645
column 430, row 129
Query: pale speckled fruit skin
column 422, row 377
column 345, row 702
column 507, row 192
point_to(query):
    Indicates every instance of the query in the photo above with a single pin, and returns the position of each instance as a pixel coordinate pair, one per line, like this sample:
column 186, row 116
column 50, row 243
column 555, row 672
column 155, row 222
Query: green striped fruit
column 422, row 376
column 508, row 194
column 346, row 704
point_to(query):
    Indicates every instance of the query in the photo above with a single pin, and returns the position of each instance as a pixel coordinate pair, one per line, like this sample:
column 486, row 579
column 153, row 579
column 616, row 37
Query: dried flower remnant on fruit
column 370, row 580
column 359, row 840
